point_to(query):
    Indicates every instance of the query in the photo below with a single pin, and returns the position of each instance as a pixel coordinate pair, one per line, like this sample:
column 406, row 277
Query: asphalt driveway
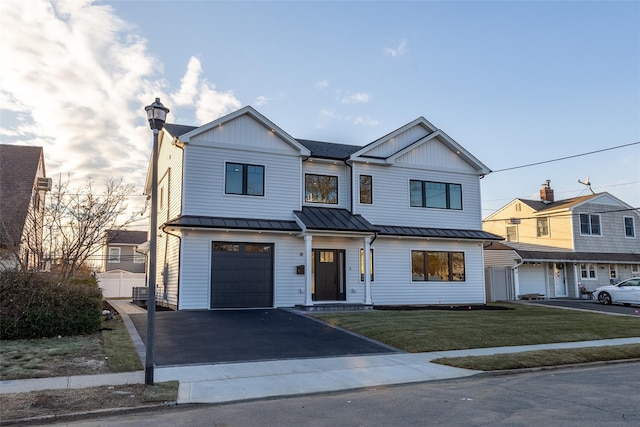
column 592, row 305
column 204, row 337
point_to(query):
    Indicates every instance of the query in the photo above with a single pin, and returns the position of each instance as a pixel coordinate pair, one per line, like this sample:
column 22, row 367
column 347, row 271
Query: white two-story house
column 555, row 248
column 252, row 217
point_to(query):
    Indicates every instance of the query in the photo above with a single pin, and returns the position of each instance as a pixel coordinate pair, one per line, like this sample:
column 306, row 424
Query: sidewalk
column 227, row 382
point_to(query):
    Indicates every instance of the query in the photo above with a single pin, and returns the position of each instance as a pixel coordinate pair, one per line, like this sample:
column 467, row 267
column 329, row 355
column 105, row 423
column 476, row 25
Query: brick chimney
column 546, row 193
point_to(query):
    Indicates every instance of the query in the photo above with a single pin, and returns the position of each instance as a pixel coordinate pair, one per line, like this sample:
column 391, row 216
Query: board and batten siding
column 204, row 184
column 195, row 283
column 397, row 143
column 433, row 155
column 243, row 132
column 331, row 169
column 392, row 280
column 391, row 204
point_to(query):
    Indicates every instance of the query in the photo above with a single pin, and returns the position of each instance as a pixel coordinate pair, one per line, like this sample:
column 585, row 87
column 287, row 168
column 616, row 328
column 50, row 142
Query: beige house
column 561, row 248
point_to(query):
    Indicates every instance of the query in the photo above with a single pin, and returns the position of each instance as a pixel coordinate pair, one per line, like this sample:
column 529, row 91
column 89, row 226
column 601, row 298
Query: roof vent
column 44, row 184
column 546, row 193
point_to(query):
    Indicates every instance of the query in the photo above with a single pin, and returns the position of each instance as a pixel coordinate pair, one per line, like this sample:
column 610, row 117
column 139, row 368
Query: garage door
column 531, row 279
column 241, row 275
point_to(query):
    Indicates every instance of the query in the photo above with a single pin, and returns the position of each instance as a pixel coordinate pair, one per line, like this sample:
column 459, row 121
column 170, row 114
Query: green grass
column 534, row 359
column 436, row 330
column 120, row 352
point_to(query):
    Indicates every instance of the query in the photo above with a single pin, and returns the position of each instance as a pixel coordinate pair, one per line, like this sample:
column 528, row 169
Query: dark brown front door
column 329, row 275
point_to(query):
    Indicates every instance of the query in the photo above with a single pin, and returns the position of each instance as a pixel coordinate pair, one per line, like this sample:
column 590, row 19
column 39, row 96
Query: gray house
column 561, row 248
column 120, row 251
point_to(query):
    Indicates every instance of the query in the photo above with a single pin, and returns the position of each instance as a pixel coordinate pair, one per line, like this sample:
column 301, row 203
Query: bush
column 36, row 305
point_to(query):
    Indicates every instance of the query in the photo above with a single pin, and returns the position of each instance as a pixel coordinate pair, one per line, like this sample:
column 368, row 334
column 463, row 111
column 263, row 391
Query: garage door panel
column 531, row 279
column 241, row 275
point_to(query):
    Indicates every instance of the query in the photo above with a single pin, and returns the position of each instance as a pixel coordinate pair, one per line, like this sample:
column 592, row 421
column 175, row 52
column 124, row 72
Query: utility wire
column 542, row 214
column 565, row 158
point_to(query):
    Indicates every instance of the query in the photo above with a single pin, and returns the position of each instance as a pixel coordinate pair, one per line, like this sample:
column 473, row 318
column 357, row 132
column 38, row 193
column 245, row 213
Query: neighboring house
column 555, row 248
column 251, row 217
column 120, row 251
column 23, row 186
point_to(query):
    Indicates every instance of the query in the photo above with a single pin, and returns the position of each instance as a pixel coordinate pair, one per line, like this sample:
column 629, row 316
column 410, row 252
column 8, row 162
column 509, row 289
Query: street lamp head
column 156, row 114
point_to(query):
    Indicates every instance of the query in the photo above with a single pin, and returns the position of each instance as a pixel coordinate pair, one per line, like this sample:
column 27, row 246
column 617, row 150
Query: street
column 604, row 395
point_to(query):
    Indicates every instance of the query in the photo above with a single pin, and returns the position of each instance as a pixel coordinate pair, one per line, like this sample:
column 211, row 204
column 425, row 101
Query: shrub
column 36, row 305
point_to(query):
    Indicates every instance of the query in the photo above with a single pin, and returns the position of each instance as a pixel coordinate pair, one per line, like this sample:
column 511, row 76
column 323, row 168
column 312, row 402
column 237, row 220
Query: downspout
column 516, row 283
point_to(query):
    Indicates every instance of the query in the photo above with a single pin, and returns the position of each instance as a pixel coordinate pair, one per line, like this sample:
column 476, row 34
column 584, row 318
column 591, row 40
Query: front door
column 328, row 275
column 559, row 281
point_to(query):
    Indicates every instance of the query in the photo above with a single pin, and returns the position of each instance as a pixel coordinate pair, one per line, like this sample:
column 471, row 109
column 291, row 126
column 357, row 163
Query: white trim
column 624, row 227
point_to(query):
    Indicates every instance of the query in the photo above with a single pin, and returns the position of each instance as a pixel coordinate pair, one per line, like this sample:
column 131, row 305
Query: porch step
column 334, row 307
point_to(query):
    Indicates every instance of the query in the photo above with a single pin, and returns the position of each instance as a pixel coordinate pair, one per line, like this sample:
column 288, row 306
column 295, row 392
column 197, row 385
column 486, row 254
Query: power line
column 565, row 158
column 541, row 214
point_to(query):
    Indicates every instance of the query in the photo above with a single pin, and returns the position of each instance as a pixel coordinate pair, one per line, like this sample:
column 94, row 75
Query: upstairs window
column 366, row 189
column 114, row 255
column 321, row 189
column 590, row 225
column 439, row 195
column 542, row 227
column 247, row 180
column 512, row 233
column 629, row 227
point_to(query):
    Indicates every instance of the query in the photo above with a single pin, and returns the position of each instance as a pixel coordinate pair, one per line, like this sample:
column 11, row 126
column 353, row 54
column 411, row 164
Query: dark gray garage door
column 241, row 275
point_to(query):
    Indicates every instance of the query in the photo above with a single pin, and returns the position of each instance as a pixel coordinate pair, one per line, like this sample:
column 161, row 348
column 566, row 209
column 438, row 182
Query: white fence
column 119, row 283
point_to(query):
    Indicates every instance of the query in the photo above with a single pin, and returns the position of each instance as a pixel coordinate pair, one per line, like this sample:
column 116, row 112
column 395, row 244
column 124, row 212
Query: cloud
column 261, row 100
column 77, row 82
column 398, row 51
column 322, row 84
column 356, row 98
column 325, row 116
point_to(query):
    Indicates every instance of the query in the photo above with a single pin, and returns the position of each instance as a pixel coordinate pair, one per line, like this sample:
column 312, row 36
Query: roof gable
column 209, row 130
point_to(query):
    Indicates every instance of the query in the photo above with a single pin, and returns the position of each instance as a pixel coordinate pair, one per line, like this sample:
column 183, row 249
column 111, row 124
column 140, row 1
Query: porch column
column 367, row 270
column 307, row 270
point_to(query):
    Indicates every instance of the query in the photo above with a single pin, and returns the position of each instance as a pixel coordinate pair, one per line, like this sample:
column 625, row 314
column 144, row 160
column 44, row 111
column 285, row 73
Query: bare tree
column 75, row 221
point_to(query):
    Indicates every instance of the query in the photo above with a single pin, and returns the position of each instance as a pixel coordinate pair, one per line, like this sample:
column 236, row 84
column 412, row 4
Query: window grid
column 590, row 225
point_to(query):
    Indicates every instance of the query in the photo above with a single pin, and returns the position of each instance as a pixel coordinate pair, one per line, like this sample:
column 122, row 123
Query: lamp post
column 156, row 115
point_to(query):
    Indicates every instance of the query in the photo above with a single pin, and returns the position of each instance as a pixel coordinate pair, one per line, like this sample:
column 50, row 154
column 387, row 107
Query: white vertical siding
column 391, row 198
column 205, row 184
column 399, row 142
column 434, row 154
column 393, row 285
column 338, row 169
column 246, row 132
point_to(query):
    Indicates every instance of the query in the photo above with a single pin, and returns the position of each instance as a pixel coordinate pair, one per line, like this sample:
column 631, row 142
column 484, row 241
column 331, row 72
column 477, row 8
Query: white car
column 625, row 292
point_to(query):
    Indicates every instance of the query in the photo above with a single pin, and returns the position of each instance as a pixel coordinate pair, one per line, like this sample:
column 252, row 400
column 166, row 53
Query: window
column 588, row 271
column 362, row 264
column 114, row 255
column 590, row 224
column 613, row 273
column 138, row 258
column 366, row 189
column 321, row 189
column 542, row 226
column 512, row 233
column 437, row 266
column 440, row 195
column 629, row 227
column 247, row 180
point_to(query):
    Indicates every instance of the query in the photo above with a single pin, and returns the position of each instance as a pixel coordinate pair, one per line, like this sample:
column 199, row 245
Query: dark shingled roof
column 194, row 221
column 333, row 219
column 447, row 233
column 18, row 171
column 329, row 150
column 546, row 255
column 126, row 237
column 178, row 130
column 539, row 205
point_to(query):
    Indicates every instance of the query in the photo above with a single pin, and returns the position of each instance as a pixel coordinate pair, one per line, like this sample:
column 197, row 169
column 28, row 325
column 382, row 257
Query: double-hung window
column 590, row 225
column 321, row 189
column 114, row 255
column 542, row 226
column 247, row 180
column 629, row 227
column 366, row 189
column 437, row 266
column 440, row 195
column 588, row 271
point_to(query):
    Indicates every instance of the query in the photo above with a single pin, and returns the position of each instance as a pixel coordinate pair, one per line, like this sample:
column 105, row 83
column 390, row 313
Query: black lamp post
column 156, row 114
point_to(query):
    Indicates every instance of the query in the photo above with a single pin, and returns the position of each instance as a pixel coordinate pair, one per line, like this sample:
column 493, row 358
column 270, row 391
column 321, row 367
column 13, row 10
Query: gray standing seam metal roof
column 333, row 219
column 195, row 221
column 447, row 233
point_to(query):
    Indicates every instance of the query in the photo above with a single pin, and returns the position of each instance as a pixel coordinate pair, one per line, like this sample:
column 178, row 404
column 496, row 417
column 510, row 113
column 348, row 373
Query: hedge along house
column 251, row 217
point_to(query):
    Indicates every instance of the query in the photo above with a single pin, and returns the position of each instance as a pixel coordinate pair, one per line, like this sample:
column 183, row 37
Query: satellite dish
column 587, row 182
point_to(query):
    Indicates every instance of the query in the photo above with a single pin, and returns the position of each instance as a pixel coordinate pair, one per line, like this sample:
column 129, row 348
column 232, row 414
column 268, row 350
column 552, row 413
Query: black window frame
column 324, row 202
column 424, row 273
column 368, row 187
column 424, row 196
column 245, row 179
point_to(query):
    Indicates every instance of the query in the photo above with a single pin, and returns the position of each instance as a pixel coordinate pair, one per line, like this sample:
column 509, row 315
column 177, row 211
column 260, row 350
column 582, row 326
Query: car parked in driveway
column 625, row 292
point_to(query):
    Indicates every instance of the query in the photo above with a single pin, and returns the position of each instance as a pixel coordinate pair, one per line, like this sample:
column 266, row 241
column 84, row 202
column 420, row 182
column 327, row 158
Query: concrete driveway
column 206, row 337
column 591, row 305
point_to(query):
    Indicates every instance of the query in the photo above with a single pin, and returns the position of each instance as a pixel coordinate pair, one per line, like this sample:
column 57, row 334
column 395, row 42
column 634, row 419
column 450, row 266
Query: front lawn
column 435, row 330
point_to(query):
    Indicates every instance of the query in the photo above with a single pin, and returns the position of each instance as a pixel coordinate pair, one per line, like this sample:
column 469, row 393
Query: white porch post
column 367, row 270
column 307, row 270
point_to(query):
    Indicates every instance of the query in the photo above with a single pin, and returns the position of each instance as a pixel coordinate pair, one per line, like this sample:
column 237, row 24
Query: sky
column 514, row 82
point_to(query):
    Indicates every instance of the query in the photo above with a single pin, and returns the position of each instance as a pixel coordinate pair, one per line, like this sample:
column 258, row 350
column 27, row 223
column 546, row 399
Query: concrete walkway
column 227, row 382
